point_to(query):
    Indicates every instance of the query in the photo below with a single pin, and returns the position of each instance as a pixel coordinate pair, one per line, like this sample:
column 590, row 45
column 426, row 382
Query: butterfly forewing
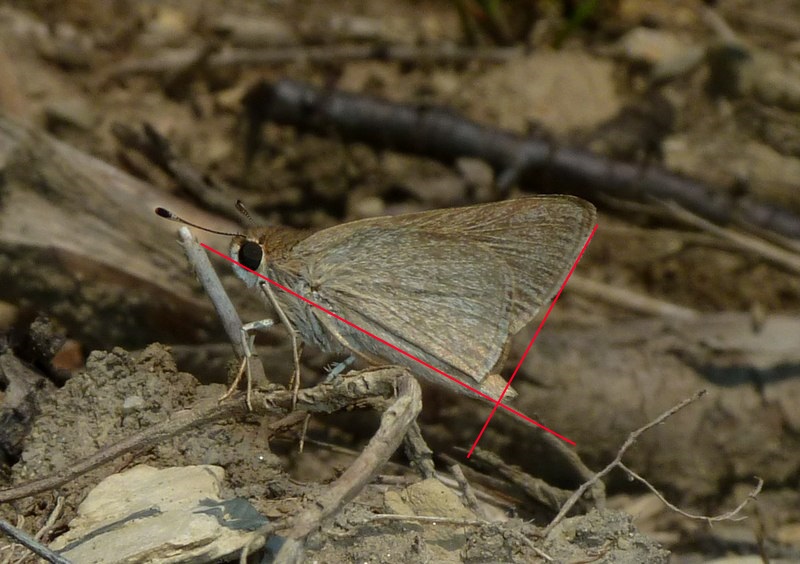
column 439, row 297
column 538, row 237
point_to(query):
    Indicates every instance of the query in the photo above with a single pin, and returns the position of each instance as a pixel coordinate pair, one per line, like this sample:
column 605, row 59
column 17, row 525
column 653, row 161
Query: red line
column 527, row 350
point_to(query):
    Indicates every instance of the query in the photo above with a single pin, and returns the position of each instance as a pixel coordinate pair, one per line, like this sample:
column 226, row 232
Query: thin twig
column 51, row 519
column 466, row 491
column 535, row 488
column 632, row 438
column 568, row 457
column 394, row 426
column 629, row 299
column 183, row 420
column 782, row 257
column 427, row 519
column 231, row 321
column 727, row 516
column 532, row 546
column 418, row 452
column 31, row 543
column 213, row 287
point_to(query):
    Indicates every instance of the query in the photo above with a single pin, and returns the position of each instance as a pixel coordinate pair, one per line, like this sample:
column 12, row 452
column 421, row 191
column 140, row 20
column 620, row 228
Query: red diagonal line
column 533, row 339
column 390, row 345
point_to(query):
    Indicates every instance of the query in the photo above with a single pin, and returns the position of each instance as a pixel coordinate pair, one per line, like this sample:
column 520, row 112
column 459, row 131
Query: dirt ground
column 102, row 316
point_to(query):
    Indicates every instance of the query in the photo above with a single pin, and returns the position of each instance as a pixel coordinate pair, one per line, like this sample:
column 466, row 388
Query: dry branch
column 78, row 238
column 441, row 134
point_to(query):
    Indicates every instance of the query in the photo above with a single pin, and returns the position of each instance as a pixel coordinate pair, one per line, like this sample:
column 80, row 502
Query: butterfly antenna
column 166, row 214
column 240, row 207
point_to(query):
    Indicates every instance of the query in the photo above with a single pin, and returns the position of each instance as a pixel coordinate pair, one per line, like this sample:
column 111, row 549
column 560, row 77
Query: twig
column 426, row 519
column 532, row 546
column 31, row 543
column 632, row 438
column 495, row 499
column 51, row 519
column 441, row 134
column 466, row 491
column 569, row 458
column 727, row 516
column 782, row 257
column 213, row 287
column 157, row 149
column 418, row 452
column 629, row 299
column 535, row 488
column 183, row 420
column 219, row 298
column 395, row 423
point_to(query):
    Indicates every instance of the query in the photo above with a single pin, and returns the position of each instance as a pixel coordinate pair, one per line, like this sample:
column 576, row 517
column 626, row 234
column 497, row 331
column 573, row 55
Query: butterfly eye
column 250, row 255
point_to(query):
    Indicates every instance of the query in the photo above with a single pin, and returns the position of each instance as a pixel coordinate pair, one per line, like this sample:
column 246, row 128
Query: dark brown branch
column 443, row 135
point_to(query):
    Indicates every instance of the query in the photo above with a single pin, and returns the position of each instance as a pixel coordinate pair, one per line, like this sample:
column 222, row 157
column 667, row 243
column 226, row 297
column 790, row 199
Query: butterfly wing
column 538, row 237
column 439, row 297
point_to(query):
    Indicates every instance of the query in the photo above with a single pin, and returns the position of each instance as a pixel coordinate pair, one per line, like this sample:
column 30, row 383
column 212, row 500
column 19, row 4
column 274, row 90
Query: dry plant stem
column 426, row 519
column 31, row 543
column 51, row 519
column 632, row 438
column 533, row 547
column 782, row 257
column 235, row 384
column 629, row 299
column 395, row 423
column 419, row 454
column 304, row 430
column 535, row 488
column 569, row 458
column 466, row 491
column 213, row 287
column 224, row 307
column 439, row 133
column 727, row 516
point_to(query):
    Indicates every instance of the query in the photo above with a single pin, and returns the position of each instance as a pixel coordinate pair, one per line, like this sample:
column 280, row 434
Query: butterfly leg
column 339, row 368
column 294, row 383
column 249, row 353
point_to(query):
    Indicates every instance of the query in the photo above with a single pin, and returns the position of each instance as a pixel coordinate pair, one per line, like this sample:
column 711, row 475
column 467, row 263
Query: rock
column 431, row 498
column 147, row 514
